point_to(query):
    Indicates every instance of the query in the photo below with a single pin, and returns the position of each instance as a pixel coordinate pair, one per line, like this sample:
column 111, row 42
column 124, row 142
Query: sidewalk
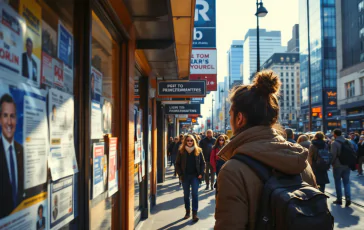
column 357, row 187
column 169, row 211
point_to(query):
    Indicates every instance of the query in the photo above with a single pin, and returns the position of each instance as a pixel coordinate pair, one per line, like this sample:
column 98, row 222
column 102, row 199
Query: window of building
column 287, row 59
column 281, row 67
column 293, row 59
column 350, row 89
column 292, row 97
column 361, row 6
column 282, row 74
column 362, row 86
column 282, row 59
column 287, row 78
column 293, row 116
column 287, row 67
column 292, row 75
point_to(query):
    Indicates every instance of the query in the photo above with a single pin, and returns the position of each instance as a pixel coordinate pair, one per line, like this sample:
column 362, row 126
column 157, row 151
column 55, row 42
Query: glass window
column 281, row 74
column 350, row 89
column 104, row 75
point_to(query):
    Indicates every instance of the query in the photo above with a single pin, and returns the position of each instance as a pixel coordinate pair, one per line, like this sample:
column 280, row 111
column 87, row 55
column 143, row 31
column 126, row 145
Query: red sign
column 211, row 80
column 217, row 127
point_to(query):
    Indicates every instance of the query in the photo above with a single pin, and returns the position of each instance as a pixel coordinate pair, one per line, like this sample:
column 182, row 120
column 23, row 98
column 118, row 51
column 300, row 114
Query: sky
column 235, row 17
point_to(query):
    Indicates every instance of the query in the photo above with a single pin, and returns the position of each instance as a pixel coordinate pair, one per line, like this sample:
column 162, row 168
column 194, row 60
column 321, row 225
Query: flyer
column 12, row 28
column 31, row 12
column 106, row 116
column 68, row 80
column 60, row 202
column 137, row 152
column 24, row 137
column 65, row 45
column 139, row 124
column 58, row 79
column 96, row 119
column 49, row 40
column 96, row 85
column 99, row 173
column 62, row 158
column 113, row 179
column 47, row 71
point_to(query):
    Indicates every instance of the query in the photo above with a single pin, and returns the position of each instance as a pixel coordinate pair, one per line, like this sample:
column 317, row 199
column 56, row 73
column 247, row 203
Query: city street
column 169, row 211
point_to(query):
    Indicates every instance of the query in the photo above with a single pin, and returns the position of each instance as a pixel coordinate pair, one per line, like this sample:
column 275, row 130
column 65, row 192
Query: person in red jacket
column 219, row 144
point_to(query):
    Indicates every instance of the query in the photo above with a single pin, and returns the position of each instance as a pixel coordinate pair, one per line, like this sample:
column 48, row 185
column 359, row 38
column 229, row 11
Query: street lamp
column 261, row 12
column 222, row 91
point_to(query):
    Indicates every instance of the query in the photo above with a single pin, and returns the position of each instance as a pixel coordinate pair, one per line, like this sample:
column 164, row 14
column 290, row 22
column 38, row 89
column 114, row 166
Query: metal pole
column 258, row 48
column 309, row 69
column 212, row 114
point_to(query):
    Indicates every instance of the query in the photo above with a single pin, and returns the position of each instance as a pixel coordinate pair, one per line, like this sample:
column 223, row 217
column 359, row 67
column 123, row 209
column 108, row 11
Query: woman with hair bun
column 253, row 119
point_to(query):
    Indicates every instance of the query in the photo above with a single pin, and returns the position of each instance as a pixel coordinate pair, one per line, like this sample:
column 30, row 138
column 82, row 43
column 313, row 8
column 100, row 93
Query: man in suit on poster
column 29, row 66
column 11, row 159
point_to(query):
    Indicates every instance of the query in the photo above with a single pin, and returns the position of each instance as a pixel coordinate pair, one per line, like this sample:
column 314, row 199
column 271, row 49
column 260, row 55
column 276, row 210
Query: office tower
column 317, row 32
column 350, row 65
column 270, row 42
column 293, row 45
column 287, row 67
column 235, row 59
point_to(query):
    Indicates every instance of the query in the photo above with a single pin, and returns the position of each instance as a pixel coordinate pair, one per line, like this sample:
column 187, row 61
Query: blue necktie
column 13, row 177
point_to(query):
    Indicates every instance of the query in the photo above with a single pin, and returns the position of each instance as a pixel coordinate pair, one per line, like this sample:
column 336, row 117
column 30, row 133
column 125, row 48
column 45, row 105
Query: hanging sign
column 182, row 88
column 183, row 109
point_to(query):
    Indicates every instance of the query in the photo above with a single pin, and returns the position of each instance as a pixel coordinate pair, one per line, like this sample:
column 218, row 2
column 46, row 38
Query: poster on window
column 23, row 150
column 99, row 176
column 12, row 28
column 58, row 79
column 31, row 12
column 113, row 176
column 65, row 45
column 61, row 202
column 96, row 121
column 68, row 79
column 139, row 124
column 137, row 152
column 96, row 85
column 106, row 115
column 49, row 40
column 62, row 158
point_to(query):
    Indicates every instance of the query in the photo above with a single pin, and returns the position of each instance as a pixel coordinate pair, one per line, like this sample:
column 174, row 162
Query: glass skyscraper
column 235, row 61
column 317, row 39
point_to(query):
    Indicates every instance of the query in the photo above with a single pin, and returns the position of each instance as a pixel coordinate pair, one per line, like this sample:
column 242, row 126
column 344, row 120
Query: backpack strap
column 261, row 170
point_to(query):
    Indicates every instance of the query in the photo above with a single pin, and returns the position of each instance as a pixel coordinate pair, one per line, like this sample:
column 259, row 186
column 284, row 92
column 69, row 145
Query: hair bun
column 267, row 82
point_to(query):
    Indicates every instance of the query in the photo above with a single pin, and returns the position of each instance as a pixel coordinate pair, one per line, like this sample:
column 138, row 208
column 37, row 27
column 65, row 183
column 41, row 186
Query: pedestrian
column 341, row 172
column 290, row 135
column 206, row 146
column 190, row 166
column 219, row 144
column 360, row 155
column 304, row 141
column 352, row 141
column 253, row 113
column 170, row 149
column 319, row 144
column 176, row 146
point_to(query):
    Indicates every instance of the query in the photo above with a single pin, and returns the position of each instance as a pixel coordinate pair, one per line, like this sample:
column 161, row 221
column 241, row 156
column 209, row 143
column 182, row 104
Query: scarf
column 190, row 149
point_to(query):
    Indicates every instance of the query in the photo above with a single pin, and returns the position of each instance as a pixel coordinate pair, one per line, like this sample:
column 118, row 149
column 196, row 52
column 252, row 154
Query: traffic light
column 329, row 114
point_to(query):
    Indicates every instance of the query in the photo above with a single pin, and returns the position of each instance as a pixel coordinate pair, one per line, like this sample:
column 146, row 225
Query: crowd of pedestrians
column 262, row 158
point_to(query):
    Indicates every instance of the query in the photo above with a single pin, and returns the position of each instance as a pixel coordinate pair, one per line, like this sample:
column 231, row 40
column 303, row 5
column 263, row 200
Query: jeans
column 188, row 182
column 344, row 174
column 360, row 166
column 209, row 172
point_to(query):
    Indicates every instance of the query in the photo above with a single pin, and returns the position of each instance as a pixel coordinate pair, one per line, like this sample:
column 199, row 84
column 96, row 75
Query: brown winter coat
column 239, row 188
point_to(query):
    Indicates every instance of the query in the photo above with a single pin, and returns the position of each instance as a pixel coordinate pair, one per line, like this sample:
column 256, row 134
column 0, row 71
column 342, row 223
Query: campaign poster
column 68, row 80
column 99, row 176
column 12, row 28
column 31, row 56
column 106, row 116
column 47, row 71
column 58, row 79
column 139, row 124
column 61, row 202
column 113, row 179
column 62, row 158
column 96, row 85
column 23, row 153
column 65, row 45
column 137, row 152
column 96, row 121
column 49, row 40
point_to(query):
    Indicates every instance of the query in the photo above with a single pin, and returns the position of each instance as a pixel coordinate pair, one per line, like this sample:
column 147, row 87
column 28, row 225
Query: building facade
column 287, row 67
column 293, row 45
column 270, row 42
column 350, row 64
column 317, row 32
column 235, row 60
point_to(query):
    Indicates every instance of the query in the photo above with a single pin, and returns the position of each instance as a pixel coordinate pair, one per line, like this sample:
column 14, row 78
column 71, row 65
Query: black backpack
column 347, row 155
column 287, row 202
column 323, row 159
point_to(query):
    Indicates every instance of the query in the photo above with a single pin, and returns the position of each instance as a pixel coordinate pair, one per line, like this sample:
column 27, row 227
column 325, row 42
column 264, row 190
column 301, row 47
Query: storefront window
column 103, row 83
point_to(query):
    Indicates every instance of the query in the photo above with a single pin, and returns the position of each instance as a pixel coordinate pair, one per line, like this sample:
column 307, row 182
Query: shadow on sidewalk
column 344, row 216
column 180, row 226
